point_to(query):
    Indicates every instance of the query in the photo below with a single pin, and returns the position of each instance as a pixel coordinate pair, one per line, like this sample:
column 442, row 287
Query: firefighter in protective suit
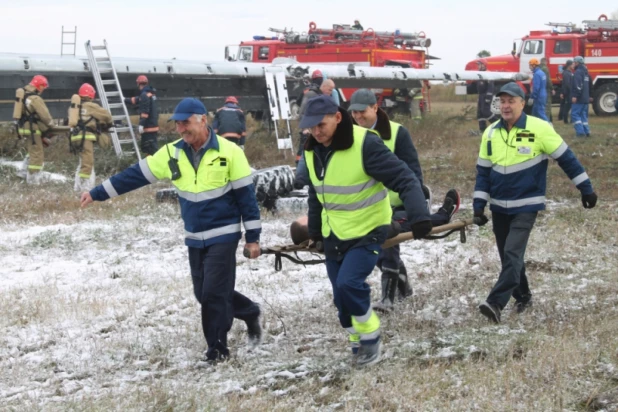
column 33, row 122
column 88, row 121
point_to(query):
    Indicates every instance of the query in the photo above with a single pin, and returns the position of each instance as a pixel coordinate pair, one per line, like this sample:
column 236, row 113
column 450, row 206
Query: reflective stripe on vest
column 353, row 202
column 206, row 187
column 26, row 132
column 390, row 143
column 87, row 136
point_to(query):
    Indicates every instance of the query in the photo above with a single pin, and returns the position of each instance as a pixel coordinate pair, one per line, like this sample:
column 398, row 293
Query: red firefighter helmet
column 87, row 90
column 231, row 99
column 39, row 81
column 141, row 79
column 316, row 74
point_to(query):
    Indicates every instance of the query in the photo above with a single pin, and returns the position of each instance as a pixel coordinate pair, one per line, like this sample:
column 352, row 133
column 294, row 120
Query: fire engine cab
column 596, row 42
column 344, row 45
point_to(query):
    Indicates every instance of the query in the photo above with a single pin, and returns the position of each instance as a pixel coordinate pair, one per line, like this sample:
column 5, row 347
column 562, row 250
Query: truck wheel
column 166, row 195
column 604, row 103
column 270, row 184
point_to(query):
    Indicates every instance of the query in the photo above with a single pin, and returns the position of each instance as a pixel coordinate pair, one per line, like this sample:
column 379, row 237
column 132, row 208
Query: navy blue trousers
column 213, row 271
column 351, row 292
column 149, row 144
column 579, row 117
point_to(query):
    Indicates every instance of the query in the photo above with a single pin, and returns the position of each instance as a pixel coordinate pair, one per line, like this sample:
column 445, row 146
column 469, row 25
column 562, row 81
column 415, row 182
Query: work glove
column 479, row 217
column 530, row 101
column 589, row 201
column 318, row 243
column 127, row 101
column 140, row 129
column 421, row 229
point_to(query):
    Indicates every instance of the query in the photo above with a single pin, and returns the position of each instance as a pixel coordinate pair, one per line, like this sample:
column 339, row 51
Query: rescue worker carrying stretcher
column 350, row 170
column 88, row 122
column 230, row 122
column 148, row 110
column 366, row 113
column 34, row 123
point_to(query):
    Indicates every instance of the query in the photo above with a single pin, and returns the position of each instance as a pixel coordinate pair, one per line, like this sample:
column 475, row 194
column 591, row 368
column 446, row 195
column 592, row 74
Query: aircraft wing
column 209, row 81
column 360, row 73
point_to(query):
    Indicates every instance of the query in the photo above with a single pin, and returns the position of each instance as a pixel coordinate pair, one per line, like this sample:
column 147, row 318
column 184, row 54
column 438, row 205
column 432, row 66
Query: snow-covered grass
column 98, row 313
column 97, row 309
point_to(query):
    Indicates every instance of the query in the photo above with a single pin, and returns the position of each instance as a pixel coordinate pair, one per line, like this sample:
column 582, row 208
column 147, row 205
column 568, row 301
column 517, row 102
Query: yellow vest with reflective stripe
column 390, row 143
column 202, row 191
column 353, row 203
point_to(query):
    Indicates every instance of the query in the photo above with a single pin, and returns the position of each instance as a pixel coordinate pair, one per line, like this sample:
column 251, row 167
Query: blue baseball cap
column 187, row 108
column 512, row 89
column 316, row 109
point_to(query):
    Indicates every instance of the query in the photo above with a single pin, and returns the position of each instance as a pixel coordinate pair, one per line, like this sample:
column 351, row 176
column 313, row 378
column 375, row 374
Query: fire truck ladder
column 601, row 24
column 112, row 98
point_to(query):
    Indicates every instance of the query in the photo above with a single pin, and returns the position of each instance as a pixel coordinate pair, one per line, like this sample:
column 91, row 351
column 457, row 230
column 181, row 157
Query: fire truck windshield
column 533, row 47
column 245, row 53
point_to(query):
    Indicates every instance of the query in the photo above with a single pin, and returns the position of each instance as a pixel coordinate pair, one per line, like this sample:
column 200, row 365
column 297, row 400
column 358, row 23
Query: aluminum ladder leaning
column 104, row 75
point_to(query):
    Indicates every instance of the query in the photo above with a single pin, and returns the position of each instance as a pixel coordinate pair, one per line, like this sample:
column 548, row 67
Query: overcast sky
column 199, row 30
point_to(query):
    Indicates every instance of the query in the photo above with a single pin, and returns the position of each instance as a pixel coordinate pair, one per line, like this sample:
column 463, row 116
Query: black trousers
column 512, row 233
column 390, row 258
column 565, row 108
column 149, row 144
column 213, row 271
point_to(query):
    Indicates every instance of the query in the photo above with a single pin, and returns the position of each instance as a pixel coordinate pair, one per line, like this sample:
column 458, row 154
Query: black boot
column 403, row 284
column 428, row 196
column 390, row 279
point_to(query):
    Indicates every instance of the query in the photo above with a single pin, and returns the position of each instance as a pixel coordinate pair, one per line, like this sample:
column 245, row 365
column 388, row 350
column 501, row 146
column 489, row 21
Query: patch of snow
column 45, row 176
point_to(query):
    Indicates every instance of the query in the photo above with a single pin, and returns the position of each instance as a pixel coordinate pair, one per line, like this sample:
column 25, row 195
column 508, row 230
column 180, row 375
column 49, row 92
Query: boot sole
column 375, row 360
column 489, row 313
column 383, row 309
column 521, row 308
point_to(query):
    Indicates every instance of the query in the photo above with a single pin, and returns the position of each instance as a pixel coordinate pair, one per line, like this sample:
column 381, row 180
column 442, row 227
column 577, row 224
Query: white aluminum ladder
column 63, row 43
column 606, row 25
column 111, row 97
column 279, row 106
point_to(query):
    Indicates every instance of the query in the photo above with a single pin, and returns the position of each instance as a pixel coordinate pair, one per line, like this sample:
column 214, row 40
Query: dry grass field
column 97, row 309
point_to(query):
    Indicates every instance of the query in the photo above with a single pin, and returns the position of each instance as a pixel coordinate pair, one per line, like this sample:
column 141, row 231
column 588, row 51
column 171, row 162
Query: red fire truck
column 342, row 45
column 597, row 42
